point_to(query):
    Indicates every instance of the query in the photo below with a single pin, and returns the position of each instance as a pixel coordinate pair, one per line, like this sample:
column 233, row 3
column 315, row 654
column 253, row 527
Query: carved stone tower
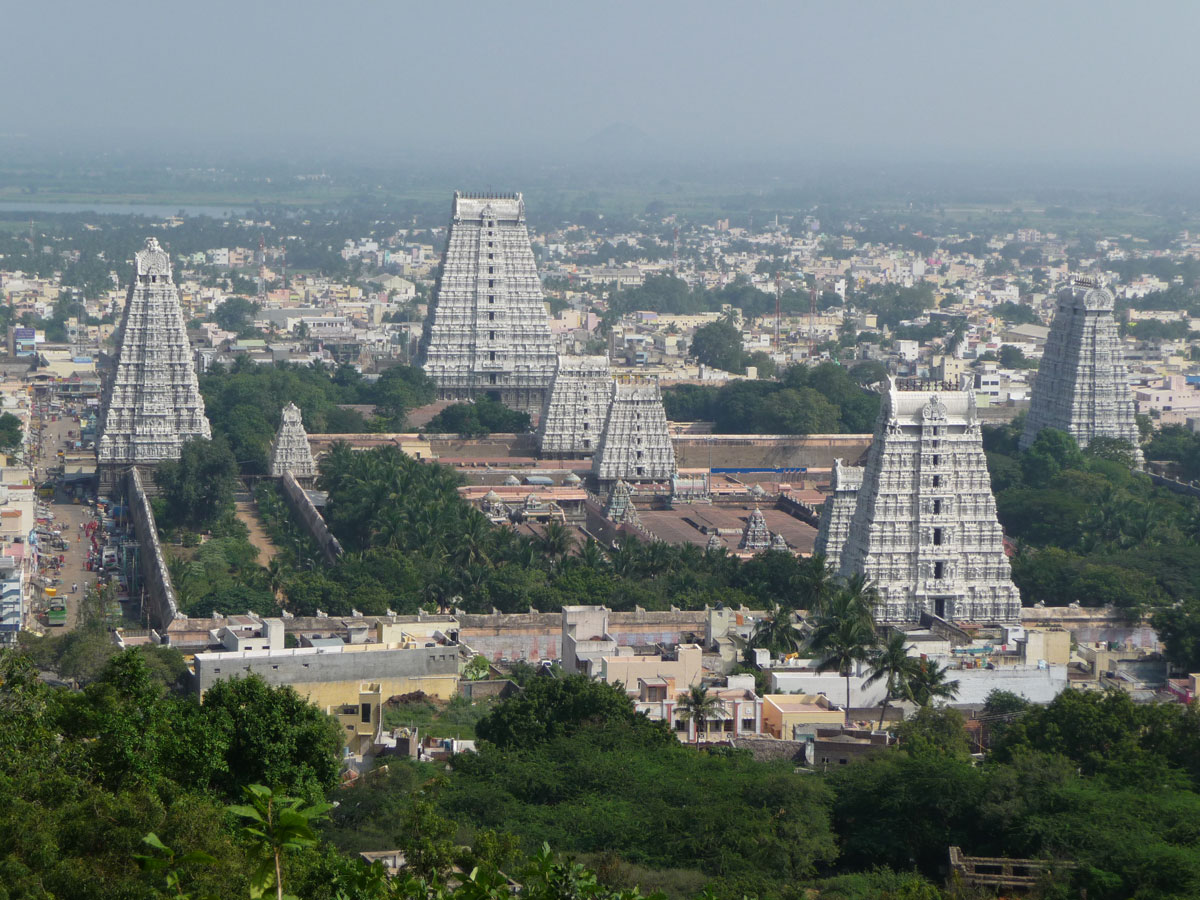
column 837, row 512
column 755, row 535
column 924, row 529
column 290, row 451
column 1082, row 384
column 488, row 332
column 636, row 443
column 577, row 407
column 151, row 402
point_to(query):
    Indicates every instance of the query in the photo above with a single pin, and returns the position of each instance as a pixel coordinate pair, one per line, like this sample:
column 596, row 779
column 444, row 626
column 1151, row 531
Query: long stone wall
column 160, row 594
column 692, row 451
column 302, row 506
column 774, row 451
column 538, row 636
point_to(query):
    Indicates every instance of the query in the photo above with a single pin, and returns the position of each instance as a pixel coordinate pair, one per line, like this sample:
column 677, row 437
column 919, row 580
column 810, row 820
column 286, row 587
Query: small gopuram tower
column 488, row 333
column 636, row 443
column 1082, row 384
column 924, row 530
column 290, row 451
column 151, row 403
column 837, row 512
column 620, row 508
column 755, row 536
column 577, row 407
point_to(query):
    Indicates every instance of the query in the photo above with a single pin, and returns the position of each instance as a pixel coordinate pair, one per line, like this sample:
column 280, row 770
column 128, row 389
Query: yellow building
column 796, row 716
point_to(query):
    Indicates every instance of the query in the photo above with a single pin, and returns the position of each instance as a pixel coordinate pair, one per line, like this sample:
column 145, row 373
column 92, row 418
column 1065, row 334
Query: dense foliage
column 824, row 399
column 1088, row 529
column 412, row 542
column 244, row 403
column 478, row 419
column 85, row 774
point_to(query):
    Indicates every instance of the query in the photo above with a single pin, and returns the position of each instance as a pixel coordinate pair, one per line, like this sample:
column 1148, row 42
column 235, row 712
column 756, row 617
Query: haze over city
column 1018, row 83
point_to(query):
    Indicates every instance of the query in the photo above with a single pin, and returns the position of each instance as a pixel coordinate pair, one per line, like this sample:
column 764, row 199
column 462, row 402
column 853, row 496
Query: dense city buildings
column 488, row 333
column 152, row 401
column 1082, row 385
column 924, row 530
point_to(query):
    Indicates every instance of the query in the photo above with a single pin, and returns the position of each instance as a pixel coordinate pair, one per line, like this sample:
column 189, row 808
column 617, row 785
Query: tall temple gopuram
column 488, row 332
column 290, row 451
column 1082, row 384
column 577, row 407
column 924, row 529
column 636, row 443
column 151, row 403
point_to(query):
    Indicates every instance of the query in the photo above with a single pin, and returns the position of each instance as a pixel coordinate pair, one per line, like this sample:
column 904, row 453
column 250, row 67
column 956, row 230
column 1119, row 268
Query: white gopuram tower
column 636, row 443
column 577, row 407
column 837, row 512
column 924, row 530
column 488, row 333
column 290, row 451
column 151, row 403
column 1082, row 384
column 755, row 536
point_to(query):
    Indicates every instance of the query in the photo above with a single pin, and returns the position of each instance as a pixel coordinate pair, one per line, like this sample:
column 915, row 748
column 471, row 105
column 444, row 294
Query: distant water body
column 157, row 211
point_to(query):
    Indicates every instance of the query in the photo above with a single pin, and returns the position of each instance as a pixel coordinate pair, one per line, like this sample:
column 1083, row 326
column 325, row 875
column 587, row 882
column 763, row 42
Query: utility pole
column 778, row 305
column 812, row 322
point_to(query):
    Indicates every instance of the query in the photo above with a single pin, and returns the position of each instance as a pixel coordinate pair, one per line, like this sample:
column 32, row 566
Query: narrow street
column 68, row 519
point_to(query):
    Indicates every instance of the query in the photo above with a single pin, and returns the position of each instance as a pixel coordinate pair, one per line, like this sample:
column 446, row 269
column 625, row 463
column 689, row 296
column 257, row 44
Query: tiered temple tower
column 837, row 512
column 1082, row 384
column 636, row 443
column 620, row 508
column 290, row 451
column 488, row 332
column 152, row 401
column 577, row 407
column 755, row 536
column 924, row 529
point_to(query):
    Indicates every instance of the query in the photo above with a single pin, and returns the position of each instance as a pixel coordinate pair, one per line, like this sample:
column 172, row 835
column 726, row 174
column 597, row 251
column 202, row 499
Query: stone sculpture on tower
column 1082, row 384
column 924, row 530
column 488, row 333
column 290, row 451
column 151, row 403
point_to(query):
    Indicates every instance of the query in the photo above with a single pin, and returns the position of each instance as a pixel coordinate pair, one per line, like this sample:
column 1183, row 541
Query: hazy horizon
column 704, row 83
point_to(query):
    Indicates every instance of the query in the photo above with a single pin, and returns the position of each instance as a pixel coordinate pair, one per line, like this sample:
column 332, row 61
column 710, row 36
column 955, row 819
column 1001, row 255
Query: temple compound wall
column 161, row 606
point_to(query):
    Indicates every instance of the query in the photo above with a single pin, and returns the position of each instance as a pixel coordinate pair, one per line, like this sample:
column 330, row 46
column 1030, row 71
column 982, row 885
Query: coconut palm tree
column 844, row 633
column 891, row 664
column 815, row 583
column 699, row 706
column 928, row 683
column 845, row 643
column 556, row 540
column 776, row 632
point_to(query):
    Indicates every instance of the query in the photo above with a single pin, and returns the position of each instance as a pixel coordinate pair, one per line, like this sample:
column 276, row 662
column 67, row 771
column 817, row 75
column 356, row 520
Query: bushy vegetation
column 478, row 419
column 244, row 403
column 824, row 399
column 1088, row 529
column 412, row 542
